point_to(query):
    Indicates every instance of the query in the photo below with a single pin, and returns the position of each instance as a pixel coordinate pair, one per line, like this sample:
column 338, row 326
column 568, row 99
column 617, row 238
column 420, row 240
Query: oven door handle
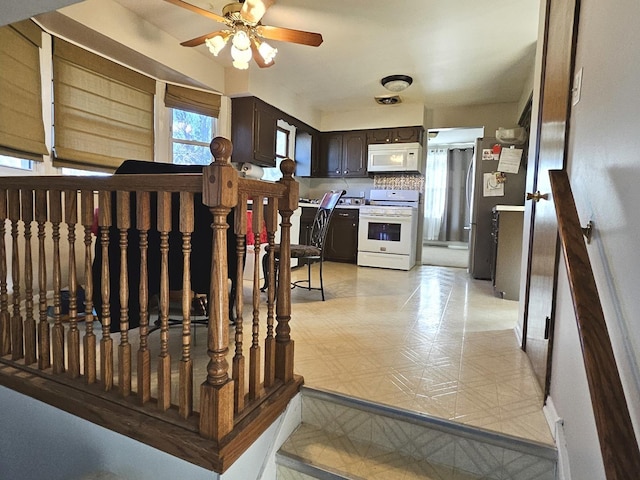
column 374, row 216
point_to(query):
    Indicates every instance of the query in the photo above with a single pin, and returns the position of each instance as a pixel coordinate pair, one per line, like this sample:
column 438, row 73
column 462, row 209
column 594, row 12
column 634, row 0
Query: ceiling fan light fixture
column 243, row 56
column 217, row 43
column 267, row 52
column 396, row 83
column 246, row 32
column 241, row 40
column 241, row 65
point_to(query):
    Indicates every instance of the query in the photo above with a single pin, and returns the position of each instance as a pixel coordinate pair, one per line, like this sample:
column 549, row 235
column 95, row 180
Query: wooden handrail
column 617, row 438
column 54, row 360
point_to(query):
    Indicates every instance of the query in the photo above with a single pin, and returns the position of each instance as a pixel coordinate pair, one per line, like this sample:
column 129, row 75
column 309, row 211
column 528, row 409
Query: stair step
column 314, row 453
column 346, row 438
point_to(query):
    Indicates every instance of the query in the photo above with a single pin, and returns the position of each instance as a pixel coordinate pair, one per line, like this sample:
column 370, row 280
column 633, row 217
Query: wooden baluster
column 89, row 340
column 185, row 402
column 106, row 342
column 30, row 353
column 44, row 332
column 55, row 206
column 164, row 359
column 124, row 349
column 17, row 347
column 237, row 372
column 73, row 335
column 5, row 318
column 254, row 352
column 284, row 344
column 270, row 341
column 220, row 194
column 143, row 223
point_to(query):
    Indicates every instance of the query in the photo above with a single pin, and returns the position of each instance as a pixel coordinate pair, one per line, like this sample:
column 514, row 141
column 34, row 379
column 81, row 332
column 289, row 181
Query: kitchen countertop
column 315, row 205
column 509, row 208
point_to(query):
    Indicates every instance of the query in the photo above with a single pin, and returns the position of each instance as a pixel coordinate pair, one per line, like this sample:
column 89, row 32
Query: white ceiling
column 16, row 10
column 459, row 52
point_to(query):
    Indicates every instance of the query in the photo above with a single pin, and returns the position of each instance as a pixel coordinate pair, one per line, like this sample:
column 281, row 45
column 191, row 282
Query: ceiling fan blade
column 258, row 57
column 201, row 11
column 194, row 42
column 289, row 35
column 253, row 10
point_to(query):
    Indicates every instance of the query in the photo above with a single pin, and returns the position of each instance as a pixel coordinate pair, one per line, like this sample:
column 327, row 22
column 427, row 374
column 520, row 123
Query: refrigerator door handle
column 468, row 191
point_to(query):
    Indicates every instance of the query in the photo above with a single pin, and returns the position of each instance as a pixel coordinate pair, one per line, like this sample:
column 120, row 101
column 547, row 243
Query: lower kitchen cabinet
column 342, row 239
column 306, row 221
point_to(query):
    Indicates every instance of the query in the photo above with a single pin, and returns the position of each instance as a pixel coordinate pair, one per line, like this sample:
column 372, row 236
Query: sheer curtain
column 435, row 195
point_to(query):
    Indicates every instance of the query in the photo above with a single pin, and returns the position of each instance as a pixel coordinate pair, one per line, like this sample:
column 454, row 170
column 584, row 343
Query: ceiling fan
column 246, row 33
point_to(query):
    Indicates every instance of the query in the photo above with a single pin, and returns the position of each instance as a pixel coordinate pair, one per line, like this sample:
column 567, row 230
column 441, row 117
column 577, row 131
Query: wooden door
column 555, row 97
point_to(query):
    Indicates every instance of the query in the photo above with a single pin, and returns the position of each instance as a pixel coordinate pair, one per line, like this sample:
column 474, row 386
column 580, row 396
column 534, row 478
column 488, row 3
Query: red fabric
column 250, row 236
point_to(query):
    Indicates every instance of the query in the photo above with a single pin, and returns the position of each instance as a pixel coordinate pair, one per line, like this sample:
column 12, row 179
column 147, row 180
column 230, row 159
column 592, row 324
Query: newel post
column 220, row 194
column 287, row 205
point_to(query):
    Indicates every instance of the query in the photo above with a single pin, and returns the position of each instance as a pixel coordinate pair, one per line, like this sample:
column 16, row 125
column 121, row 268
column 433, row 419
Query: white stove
column 388, row 229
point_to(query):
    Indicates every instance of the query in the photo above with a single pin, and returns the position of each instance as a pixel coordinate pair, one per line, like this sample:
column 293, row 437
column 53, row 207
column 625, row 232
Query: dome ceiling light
column 396, row 83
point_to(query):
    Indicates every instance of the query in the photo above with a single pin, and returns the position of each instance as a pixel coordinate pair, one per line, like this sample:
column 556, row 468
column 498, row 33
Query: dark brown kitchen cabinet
column 306, row 220
column 342, row 154
column 395, row 135
column 342, row 238
column 253, row 131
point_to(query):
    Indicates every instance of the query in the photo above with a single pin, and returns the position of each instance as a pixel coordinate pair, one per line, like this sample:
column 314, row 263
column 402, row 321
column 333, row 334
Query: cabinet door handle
column 343, row 214
column 346, row 172
column 337, row 171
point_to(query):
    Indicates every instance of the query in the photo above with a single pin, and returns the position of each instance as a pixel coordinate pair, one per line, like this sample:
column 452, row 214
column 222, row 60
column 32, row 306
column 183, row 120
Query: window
column 81, row 173
column 194, row 121
column 282, row 143
column 14, row 162
column 191, row 135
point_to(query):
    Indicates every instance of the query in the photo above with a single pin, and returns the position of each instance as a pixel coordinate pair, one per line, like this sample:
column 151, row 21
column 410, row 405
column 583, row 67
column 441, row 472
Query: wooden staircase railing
column 618, row 442
column 132, row 381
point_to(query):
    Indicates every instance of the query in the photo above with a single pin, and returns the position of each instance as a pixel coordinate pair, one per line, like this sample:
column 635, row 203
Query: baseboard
column 556, row 425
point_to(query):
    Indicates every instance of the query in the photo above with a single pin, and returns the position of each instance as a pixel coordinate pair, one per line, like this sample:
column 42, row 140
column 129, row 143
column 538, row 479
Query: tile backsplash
column 355, row 187
column 400, row 181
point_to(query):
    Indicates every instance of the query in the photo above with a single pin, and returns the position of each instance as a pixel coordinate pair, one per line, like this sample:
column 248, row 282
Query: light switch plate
column 577, row 87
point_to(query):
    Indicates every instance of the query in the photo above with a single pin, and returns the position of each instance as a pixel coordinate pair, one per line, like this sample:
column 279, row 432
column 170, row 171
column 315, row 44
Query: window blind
column 196, row 101
column 21, row 122
column 103, row 112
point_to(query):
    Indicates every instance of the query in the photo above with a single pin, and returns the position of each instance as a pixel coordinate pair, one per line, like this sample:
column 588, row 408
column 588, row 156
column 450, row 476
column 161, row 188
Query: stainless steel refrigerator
column 486, row 193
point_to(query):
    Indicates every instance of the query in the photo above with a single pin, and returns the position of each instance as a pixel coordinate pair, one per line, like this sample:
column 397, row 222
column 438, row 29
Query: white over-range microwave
column 395, row 157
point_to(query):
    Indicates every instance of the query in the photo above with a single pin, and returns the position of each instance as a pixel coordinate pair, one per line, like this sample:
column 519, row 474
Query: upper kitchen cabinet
column 342, row 154
column 253, row 131
column 395, row 135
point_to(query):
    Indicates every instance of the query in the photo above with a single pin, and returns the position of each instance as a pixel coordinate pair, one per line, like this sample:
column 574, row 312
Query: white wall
column 604, row 173
column 490, row 116
column 39, row 441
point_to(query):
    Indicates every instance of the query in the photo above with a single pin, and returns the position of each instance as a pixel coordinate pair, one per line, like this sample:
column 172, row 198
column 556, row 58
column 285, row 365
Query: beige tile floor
column 431, row 340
